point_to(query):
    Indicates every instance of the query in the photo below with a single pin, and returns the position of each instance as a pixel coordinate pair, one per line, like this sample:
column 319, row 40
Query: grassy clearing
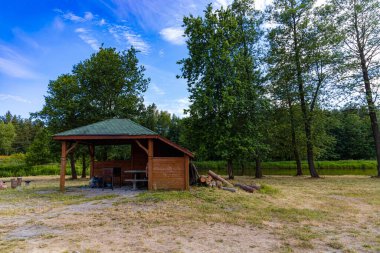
column 289, row 214
column 346, row 167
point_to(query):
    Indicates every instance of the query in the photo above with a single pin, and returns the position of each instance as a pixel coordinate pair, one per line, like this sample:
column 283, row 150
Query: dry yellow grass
column 290, row 214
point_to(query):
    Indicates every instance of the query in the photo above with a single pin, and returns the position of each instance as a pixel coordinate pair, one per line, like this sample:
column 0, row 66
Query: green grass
column 15, row 165
column 346, row 167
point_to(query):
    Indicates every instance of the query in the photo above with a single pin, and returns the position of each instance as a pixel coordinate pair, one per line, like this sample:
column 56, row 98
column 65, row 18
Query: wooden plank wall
column 168, row 173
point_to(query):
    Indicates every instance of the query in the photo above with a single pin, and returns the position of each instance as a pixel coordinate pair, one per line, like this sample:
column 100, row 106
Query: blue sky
column 40, row 40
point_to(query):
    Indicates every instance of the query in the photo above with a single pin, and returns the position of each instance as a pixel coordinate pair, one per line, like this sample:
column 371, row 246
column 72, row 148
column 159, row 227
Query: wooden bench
column 135, row 180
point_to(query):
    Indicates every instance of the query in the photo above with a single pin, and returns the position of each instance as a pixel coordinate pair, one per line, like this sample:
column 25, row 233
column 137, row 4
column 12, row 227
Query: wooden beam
column 63, row 166
column 103, row 137
column 187, row 167
column 91, row 149
column 71, row 148
column 150, row 164
column 142, row 147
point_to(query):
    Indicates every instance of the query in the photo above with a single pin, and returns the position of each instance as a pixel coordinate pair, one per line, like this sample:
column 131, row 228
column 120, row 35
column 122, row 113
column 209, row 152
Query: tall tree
column 109, row 84
column 308, row 40
column 223, row 80
column 7, row 135
column 359, row 22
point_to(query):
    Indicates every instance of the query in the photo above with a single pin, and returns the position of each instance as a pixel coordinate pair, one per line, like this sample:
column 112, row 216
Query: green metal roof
column 110, row 127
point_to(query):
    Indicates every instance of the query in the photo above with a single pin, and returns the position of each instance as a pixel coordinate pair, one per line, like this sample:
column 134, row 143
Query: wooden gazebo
column 166, row 164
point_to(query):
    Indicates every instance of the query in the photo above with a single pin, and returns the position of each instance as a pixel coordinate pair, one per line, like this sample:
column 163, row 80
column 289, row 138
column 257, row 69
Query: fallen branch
column 217, row 177
column 256, row 187
column 245, row 188
column 230, row 189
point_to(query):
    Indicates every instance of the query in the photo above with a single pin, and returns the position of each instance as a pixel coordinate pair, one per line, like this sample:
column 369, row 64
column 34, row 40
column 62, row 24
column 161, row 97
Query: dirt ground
column 290, row 214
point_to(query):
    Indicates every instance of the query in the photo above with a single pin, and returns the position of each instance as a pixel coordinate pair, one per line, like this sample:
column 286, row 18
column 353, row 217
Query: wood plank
column 150, row 164
column 63, row 166
column 91, row 149
column 142, row 147
column 187, row 167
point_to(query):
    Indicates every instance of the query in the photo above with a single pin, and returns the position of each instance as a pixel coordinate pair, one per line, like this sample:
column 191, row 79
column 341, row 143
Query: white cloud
column 137, row 42
column 85, row 35
column 102, row 22
column 58, row 24
column 157, row 89
column 161, row 53
column 72, row 17
column 88, row 16
column 221, row 3
column 173, row 35
column 176, row 106
column 123, row 33
column 15, row 98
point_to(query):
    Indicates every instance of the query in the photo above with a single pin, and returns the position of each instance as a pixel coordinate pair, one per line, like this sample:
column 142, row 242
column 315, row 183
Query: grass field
column 290, row 214
column 15, row 166
column 346, row 167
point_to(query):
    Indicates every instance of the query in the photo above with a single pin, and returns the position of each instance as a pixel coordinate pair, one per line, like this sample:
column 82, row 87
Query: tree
column 224, row 81
column 7, row 135
column 107, row 85
column 308, row 40
column 359, row 22
column 39, row 152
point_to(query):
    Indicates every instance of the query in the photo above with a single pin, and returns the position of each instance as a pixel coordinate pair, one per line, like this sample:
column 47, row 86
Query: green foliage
column 109, row 84
column 224, row 114
column 155, row 120
column 7, row 135
column 39, row 152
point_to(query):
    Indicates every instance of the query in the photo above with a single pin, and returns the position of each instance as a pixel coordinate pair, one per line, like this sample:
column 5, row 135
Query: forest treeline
column 296, row 81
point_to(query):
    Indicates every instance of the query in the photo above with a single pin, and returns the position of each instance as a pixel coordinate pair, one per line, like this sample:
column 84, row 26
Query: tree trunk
column 242, row 168
column 230, row 169
column 305, row 113
column 84, row 165
column 72, row 164
column 105, row 153
column 259, row 172
column 369, row 97
column 294, row 139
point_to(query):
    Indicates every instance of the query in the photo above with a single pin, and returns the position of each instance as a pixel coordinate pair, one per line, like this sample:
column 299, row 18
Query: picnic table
column 135, row 180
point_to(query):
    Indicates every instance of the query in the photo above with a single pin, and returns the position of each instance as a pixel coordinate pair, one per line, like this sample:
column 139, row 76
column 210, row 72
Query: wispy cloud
column 176, row 106
column 85, row 35
column 161, row 53
column 157, row 89
column 88, row 16
column 21, row 35
column 93, row 28
column 15, row 65
column 123, row 33
column 14, row 98
column 173, row 35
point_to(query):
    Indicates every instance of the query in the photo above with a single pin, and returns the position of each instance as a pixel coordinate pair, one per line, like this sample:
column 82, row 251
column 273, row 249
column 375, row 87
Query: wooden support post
column 150, row 164
column 63, row 166
column 187, row 168
column 91, row 150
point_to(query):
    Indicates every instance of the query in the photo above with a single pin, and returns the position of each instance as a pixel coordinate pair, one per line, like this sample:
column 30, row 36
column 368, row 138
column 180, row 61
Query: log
column 256, row 187
column 245, row 188
column 217, row 177
column 202, row 179
column 218, row 184
column 230, row 189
